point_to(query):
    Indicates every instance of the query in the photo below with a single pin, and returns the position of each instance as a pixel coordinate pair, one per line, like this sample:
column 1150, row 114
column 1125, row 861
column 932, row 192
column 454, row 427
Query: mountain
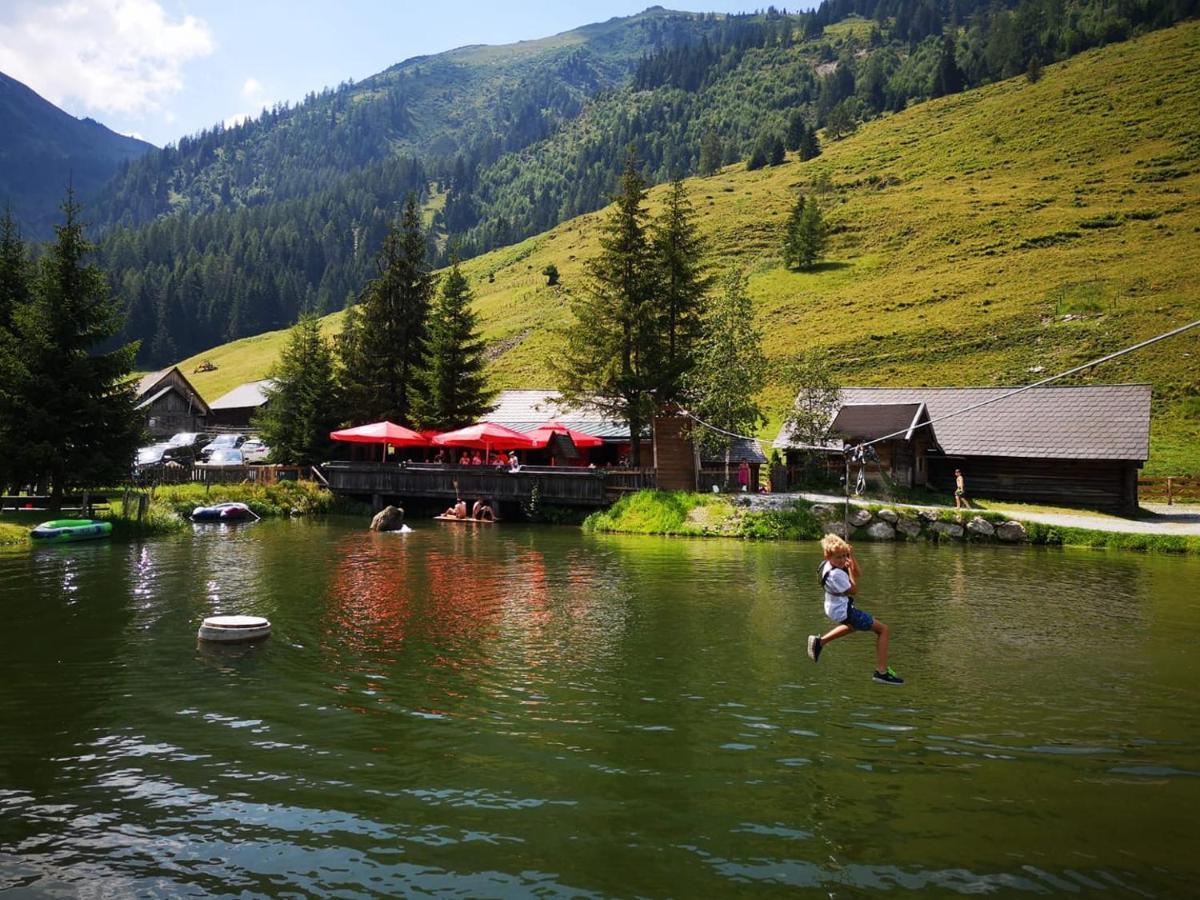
column 43, row 149
column 235, row 231
column 988, row 238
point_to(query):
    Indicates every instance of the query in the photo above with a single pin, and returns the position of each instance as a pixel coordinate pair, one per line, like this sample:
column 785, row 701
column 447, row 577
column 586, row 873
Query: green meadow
column 990, row 238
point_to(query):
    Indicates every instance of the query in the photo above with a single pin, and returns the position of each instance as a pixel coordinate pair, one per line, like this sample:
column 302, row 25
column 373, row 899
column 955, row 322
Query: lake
column 530, row 711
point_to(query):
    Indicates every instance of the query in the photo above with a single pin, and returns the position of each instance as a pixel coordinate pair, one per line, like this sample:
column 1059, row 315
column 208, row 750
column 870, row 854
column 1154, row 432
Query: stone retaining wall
column 890, row 525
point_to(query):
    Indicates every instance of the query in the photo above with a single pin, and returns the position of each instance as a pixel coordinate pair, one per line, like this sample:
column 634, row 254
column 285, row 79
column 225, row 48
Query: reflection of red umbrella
column 381, row 433
column 485, row 436
column 542, row 434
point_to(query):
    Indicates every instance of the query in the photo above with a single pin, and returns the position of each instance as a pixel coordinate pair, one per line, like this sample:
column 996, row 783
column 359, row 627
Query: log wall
column 1109, row 485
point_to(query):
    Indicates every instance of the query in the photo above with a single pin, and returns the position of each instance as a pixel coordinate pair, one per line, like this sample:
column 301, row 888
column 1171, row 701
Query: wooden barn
column 170, row 403
column 236, row 408
column 1073, row 446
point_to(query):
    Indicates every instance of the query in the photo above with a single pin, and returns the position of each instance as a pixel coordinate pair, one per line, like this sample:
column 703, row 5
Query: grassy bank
column 702, row 515
column 170, row 506
column 708, row 515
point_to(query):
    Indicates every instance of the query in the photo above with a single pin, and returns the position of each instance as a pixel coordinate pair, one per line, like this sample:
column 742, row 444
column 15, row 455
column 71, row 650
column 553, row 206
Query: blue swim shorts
column 858, row 619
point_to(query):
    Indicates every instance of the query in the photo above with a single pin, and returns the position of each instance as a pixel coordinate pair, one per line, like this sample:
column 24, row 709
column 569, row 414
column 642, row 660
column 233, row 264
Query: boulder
column 888, row 515
column 859, row 517
column 1011, row 532
column 908, row 527
column 948, row 529
column 981, row 527
column 881, row 531
column 836, row 528
column 390, row 518
column 928, row 515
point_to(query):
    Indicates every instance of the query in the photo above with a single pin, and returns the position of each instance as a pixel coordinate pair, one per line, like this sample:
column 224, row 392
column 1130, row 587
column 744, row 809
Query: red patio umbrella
column 485, row 436
column 381, row 433
column 541, row 435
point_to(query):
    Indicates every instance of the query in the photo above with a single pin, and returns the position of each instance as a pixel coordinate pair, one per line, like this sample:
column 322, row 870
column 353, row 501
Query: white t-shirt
column 836, row 604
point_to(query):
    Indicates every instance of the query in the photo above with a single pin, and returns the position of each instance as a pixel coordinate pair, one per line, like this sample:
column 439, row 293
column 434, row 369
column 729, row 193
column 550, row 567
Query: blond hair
column 832, row 545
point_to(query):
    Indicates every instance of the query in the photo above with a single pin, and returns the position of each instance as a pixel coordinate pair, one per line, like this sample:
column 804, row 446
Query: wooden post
column 1170, row 498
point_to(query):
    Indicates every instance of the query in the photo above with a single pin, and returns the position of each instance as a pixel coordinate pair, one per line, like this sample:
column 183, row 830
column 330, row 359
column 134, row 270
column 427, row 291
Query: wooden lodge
column 170, row 403
column 1072, row 446
column 235, row 409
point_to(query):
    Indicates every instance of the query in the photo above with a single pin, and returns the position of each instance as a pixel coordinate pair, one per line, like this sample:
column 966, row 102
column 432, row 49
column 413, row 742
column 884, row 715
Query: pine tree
column 810, row 147
column 303, row 400
column 456, row 391
column 15, row 283
column 710, row 153
column 804, row 240
column 678, row 258
column 791, row 235
column 75, row 404
column 385, row 347
column 612, row 345
column 730, row 368
column 796, row 130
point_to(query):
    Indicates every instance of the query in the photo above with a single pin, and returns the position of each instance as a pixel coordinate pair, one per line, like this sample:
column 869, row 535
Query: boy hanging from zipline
column 839, row 577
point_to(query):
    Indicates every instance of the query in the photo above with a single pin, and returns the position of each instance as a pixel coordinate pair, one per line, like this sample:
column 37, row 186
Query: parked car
column 255, row 451
column 185, row 446
column 225, row 456
column 222, row 442
column 152, row 455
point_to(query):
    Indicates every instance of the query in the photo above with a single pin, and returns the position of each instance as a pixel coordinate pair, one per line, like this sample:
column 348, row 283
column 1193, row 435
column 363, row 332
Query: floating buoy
column 229, row 629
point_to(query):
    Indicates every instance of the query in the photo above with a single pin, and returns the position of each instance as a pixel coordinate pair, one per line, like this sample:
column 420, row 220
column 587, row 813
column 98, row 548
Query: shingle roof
column 739, row 449
column 525, row 410
column 869, row 422
column 1109, row 421
column 150, row 379
column 245, row 396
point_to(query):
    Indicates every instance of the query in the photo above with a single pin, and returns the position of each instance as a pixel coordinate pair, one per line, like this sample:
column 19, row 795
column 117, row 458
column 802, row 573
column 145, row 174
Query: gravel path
column 1177, row 520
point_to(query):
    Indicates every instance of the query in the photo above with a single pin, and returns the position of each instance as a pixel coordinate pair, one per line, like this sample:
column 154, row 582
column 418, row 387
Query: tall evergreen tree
column 75, row 403
column 731, row 369
column 303, row 400
column 388, row 342
column 810, row 146
column 804, row 239
column 456, row 391
column 613, row 344
column 710, row 153
column 15, row 278
column 683, row 285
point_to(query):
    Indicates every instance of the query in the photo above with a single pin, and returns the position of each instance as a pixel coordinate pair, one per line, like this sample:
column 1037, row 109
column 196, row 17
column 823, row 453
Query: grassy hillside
column 988, row 238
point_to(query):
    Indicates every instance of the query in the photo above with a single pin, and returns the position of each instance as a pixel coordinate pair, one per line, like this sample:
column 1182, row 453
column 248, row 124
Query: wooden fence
column 259, row 474
column 1169, row 489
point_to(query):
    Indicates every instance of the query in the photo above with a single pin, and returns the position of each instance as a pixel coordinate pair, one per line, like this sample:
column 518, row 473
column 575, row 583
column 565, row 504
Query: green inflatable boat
column 64, row 531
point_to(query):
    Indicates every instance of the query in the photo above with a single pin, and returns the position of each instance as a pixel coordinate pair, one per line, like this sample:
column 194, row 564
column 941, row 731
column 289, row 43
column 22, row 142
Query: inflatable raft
column 65, row 531
column 223, row 512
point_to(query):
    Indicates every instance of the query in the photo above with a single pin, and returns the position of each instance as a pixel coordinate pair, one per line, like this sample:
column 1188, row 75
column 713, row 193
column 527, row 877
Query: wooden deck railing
column 568, row 486
column 1171, row 488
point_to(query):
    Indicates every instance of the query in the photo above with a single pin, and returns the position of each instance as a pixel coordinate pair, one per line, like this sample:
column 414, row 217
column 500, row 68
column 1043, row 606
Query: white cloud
column 108, row 56
column 253, row 89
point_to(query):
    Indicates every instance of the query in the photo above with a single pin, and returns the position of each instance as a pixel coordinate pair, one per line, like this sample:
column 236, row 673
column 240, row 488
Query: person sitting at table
column 477, row 460
column 465, row 459
column 457, row 511
column 483, row 511
column 514, row 462
column 440, row 456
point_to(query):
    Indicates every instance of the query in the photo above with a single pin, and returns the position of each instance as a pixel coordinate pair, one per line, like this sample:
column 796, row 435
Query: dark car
column 222, row 442
column 185, row 446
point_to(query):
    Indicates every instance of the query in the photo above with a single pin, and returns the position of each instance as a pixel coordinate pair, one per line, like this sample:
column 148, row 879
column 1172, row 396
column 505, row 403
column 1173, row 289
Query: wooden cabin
column 525, row 410
column 236, row 409
column 170, row 403
column 1070, row 446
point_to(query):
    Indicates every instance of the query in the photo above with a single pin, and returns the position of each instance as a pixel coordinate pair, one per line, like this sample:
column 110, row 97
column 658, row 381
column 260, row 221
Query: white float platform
column 234, row 628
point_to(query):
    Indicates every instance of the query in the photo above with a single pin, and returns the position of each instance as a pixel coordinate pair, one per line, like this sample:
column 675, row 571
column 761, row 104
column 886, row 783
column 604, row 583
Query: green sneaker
column 888, row 677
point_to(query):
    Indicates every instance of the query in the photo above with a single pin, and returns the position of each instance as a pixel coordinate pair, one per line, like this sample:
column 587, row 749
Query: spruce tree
column 75, row 403
column 456, row 391
column 678, row 258
column 385, row 346
column 791, row 235
column 15, row 282
column 710, row 153
column 730, row 368
column 612, row 345
column 303, row 400
column 804, row 237
column 810, row 147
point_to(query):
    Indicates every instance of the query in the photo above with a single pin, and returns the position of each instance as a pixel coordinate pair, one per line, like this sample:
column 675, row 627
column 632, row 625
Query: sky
column 162, row 69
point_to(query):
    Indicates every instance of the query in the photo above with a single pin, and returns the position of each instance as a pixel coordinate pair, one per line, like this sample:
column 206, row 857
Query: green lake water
column 510, row 711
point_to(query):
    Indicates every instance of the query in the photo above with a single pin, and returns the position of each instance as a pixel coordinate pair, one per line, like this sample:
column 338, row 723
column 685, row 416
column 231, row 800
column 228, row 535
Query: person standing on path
column 744, row 475
column 839, row 577
column 960, row 491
